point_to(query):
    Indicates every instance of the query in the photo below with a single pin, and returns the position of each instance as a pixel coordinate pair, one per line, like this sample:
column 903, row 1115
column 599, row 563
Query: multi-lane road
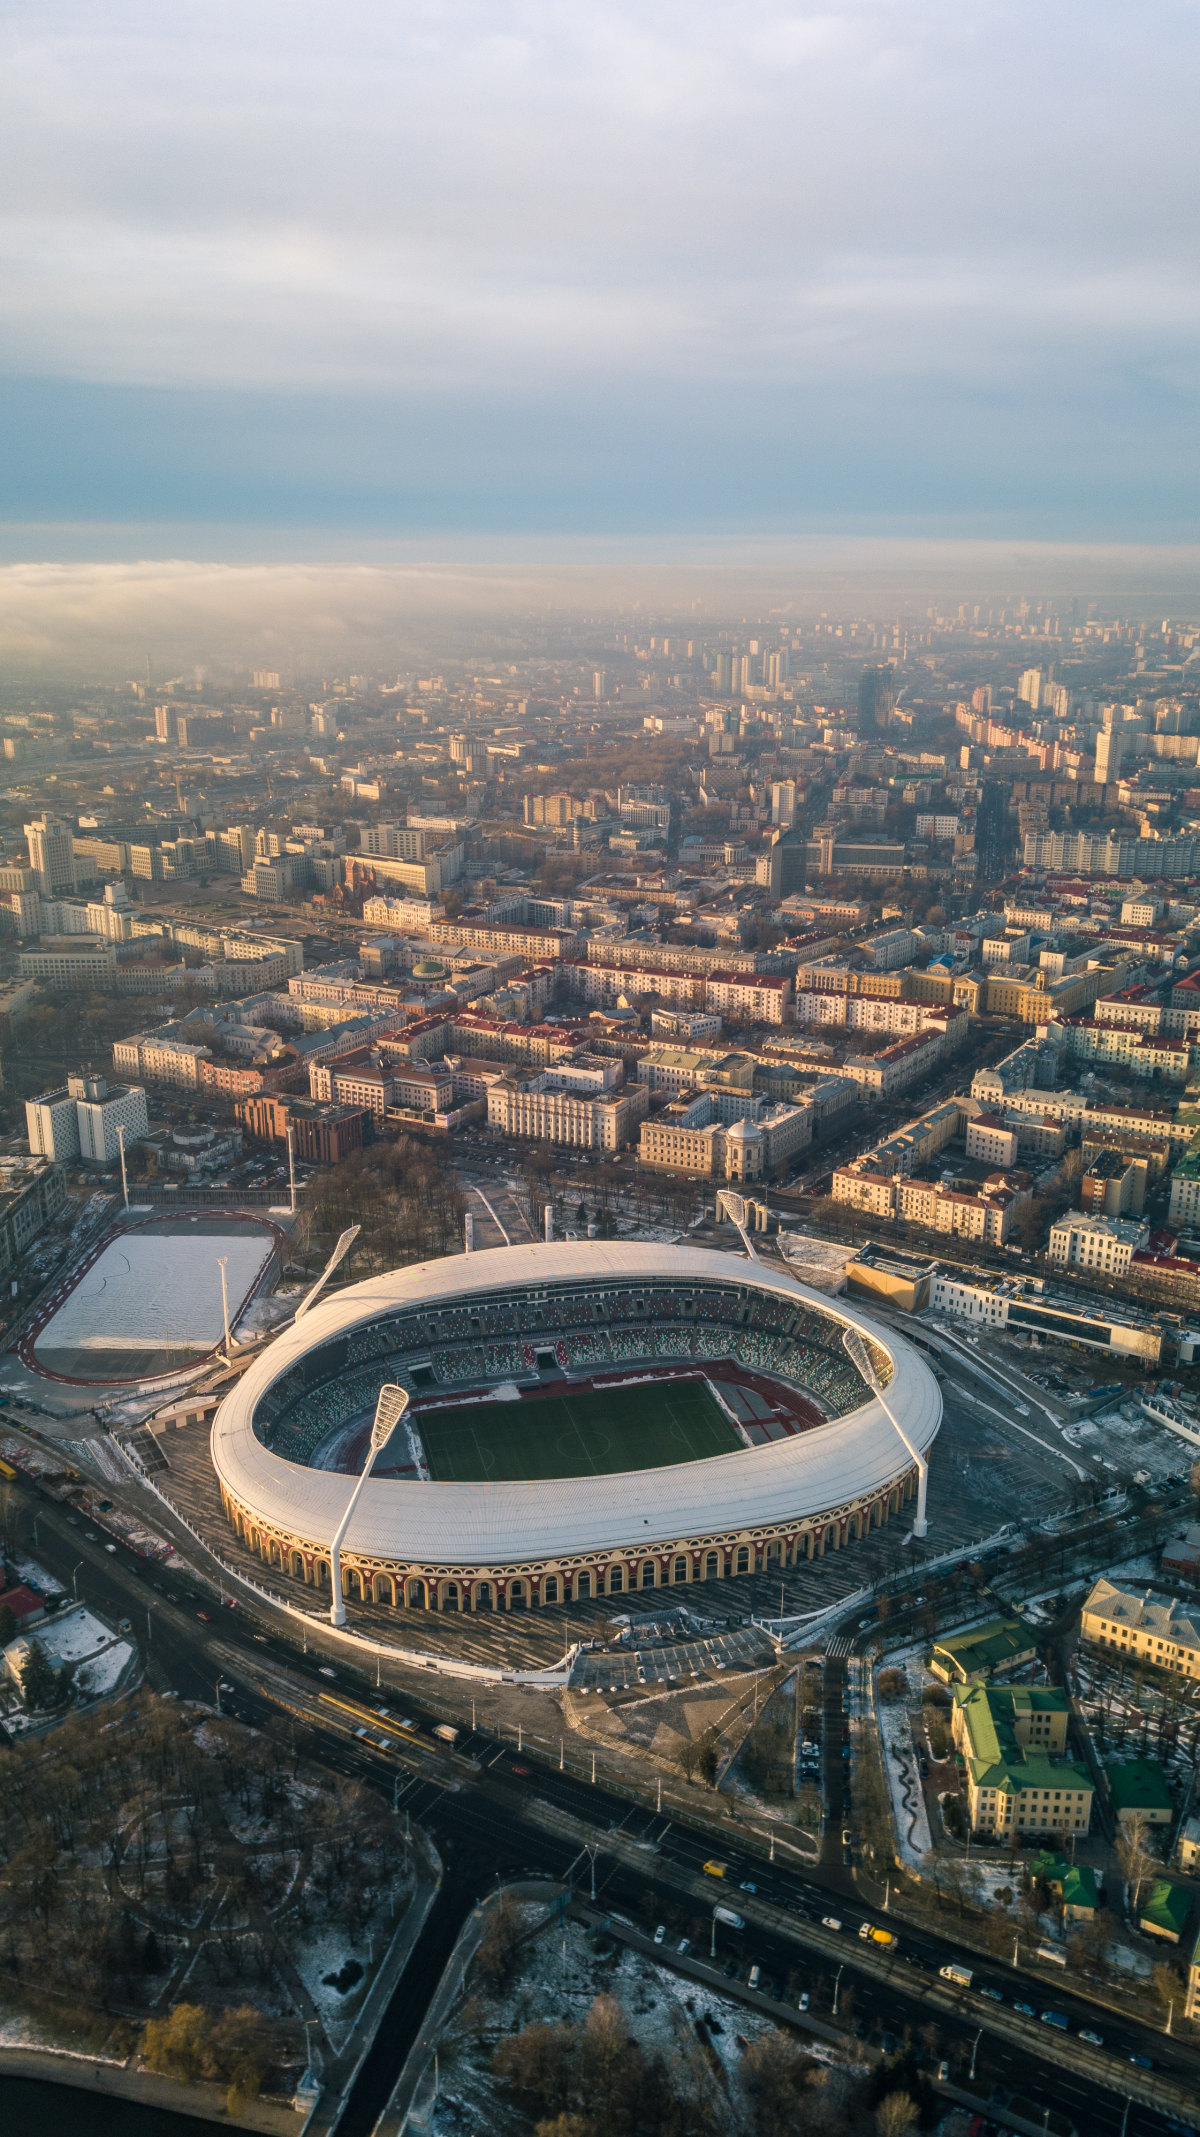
column 494, row 1812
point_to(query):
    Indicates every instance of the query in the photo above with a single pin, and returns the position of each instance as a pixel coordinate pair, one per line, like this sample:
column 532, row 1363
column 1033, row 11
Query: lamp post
column 389, row 1409
column 124, row 1178
column 836, row 1986
column 860, row 1358
column 974, row 2053
column 75, row 1580
column 222, row 1260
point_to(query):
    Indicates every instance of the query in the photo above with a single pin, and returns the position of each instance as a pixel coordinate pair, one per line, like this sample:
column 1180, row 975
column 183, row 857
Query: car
column 715, row 1869
column 523, row 1773
column 993, row 1995
column 326, row 1672
column 869, row 1933
column 1096, row 2039
column 204, row 1617
column 748, row 1885
column 1144, row 2062
column 660, row 1933
column 830, row 1921
column 754, row 1976
column 1026, row 2010
column 684, row 1945
column 803, row 2003
column 847, row 1836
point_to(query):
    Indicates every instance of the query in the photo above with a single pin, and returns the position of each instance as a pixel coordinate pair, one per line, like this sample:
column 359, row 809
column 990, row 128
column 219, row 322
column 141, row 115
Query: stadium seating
column 592, row 1326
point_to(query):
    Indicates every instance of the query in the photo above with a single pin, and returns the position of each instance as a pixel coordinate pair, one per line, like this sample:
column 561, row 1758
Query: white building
column 83, row 1120
column 1105, row 1244
column 51, row 855
column 991, row 1141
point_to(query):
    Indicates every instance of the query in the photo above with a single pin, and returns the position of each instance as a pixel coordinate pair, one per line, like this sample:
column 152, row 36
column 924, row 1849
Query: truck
column 447, row 1733
column 728, row 1917
column 961, row 1976
column 1056, row 2018
column 870, row 1935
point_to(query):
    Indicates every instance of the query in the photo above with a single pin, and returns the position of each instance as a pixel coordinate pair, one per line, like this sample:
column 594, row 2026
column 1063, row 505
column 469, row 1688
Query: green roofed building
column 970, row 1657
column 1138, row 1789
column 1012, row 1739
column 1074, row 1883
column 1165, row 1910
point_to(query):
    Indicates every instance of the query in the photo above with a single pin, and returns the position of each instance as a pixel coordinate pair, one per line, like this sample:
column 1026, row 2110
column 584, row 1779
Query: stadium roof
column 459, row 1525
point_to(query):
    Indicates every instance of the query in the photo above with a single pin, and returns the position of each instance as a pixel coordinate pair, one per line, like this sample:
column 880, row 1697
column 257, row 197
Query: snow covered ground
column 909, row 1816
column 157, row 1288
column 78, row 1637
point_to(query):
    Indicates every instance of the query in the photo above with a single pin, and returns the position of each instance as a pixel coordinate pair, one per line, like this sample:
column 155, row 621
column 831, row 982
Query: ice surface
column 150, row 1288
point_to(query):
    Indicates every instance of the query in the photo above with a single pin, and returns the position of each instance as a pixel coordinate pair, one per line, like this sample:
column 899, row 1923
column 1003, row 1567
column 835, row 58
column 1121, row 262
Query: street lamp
column 860, row 1358
column 974, row 2053
column 389, row 1409
column 836, row 1986
column 75, row 1580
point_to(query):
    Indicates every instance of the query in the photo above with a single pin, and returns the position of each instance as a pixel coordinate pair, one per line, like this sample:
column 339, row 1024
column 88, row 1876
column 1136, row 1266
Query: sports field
column 592, row 1434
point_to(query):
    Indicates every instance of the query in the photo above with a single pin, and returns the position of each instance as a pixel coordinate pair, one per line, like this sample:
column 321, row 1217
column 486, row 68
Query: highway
column 494, row 1813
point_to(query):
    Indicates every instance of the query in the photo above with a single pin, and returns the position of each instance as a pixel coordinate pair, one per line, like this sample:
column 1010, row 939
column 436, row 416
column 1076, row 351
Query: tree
column 179, row 2044
column 895, row 2115
column 44, row 1686
column 1133, row 1854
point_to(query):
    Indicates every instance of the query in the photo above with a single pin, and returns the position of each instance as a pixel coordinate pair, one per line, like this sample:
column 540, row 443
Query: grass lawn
column 591, row 1434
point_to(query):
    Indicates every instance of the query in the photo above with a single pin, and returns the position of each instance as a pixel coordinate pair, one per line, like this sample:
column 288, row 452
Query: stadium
column 585, row 1419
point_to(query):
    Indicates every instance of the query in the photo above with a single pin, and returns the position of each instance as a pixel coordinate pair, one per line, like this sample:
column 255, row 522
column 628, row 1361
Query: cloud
column 707, row 204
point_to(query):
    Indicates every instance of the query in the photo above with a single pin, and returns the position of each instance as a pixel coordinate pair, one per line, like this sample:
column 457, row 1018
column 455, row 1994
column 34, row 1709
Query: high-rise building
column 164, row 723
column 1110, row 749
column 876, row 697
column 1029, row 689
column 51, row 856
column 600, row 684
column 266, row 678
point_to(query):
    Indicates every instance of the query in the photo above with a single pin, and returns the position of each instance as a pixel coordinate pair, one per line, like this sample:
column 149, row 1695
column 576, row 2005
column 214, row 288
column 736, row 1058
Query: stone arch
column 742, row 1562
column 583, row 1587
column 383, row 1589
column 449, row 1595
column 647, row 1574
column 712, row 1565
column 550, row 1588
column 417, row 1597
column 296, row 1564
column 275, row 1554
column 518, row 1595
column 483, row 1597
column 616, row 1580
column 679, row 1568
column 321, row 1573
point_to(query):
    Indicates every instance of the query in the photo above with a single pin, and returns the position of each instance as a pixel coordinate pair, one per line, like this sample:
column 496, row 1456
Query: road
column 494, row 1813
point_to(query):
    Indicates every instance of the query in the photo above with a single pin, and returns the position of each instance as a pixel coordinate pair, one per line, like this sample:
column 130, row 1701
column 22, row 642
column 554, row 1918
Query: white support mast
column 860, row 1357
column 389, row 1409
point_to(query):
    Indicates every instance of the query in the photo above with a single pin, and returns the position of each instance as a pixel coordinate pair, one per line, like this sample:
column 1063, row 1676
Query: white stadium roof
column 460, row 1525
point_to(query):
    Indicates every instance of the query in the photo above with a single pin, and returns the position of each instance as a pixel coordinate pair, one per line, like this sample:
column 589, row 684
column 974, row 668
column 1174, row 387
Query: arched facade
column 418, row 1546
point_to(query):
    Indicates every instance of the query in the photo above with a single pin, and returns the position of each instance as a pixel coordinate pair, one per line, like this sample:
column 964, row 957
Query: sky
column 301, row 281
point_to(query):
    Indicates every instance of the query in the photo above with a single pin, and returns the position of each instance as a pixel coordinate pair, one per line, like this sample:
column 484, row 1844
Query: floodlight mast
column 860, row 1357
column 389, row 1409
column 734, row 1207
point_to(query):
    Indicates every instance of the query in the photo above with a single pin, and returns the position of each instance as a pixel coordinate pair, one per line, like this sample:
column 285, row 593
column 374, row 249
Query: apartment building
column 762, row 996
column 992, row 1141
column 1156, row 1628
column 1013, row 1742
column 1103, row 1245
column 32, row 1191
column 542, row 1106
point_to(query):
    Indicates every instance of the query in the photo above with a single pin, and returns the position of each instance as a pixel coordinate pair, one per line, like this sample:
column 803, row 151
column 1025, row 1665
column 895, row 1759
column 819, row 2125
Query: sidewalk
column 345, row 2066
column 404, row 2110
column 146, row 2088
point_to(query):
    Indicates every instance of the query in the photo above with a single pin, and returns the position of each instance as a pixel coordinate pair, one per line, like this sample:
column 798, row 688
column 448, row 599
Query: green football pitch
column 591, row 1434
